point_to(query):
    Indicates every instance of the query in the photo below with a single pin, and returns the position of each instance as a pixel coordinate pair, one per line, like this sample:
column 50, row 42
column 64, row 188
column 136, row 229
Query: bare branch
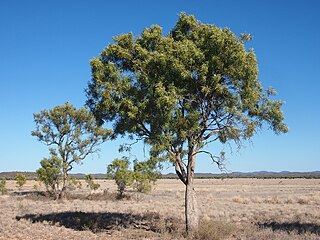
column 215, row 159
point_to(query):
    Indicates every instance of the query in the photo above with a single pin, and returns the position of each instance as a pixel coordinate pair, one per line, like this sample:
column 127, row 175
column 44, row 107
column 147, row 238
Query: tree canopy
column 195, row 85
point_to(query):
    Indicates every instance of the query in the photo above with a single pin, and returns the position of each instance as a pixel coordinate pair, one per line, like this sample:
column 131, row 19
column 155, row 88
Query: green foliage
column 142, row 177
column 182, row 91
column 71, row 133
column 50, row 172
column 145, row 175
column 21, row 180
column 3, row 188
column 90, row 183
column 120, row 172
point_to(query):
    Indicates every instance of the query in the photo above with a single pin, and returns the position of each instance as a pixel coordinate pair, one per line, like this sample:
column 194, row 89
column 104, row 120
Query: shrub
column 141, row 178
column 21, row 180
column 119, row 171
column 142, row 183
column 145, row 175
column 50, row 173
column 90, row 183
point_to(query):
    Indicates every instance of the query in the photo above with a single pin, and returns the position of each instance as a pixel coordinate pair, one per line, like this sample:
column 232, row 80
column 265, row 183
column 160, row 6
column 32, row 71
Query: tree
column 180, row 92
column 21, row 180
column 120, row 172
column 72, row 135
column 50, row 173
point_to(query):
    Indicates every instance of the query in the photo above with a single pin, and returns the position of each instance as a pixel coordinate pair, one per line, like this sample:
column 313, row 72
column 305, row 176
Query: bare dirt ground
column 229, row 208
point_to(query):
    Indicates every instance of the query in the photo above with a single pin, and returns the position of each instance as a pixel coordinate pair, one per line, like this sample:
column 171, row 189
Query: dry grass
column 230, row 209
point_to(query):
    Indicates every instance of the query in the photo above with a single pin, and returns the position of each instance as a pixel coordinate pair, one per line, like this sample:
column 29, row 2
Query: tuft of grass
column 288, row 201
column 238, row 199
column 214, row 230
column 303, row 200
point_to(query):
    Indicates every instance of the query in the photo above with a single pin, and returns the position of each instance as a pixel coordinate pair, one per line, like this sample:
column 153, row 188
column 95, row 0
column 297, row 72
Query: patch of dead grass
column 214, row 230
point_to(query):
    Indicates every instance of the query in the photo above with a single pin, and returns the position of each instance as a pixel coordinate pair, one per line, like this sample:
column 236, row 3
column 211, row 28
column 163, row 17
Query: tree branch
column 215, row 159
column 179, row 167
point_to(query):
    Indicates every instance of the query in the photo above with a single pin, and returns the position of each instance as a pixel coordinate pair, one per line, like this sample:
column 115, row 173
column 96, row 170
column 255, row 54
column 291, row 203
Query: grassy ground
column 229, row 208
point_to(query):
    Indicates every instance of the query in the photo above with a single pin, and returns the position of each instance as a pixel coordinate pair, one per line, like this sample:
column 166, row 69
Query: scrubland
column 229, row 208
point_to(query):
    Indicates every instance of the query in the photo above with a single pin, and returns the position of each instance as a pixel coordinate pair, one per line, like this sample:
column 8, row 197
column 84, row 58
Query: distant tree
column 3, row 188
column 120, row 172
column 90, row 183
column 72, row 135
column 180, row 92
column 21, row 180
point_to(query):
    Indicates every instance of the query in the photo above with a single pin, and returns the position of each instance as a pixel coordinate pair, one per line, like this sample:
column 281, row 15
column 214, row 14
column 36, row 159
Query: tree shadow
column 97, row 222
column 35, row 195
column 296, row 227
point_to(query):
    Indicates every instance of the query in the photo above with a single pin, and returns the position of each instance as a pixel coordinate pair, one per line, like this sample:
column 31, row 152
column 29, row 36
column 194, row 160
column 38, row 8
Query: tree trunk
column 191, row 207
column 62, row 194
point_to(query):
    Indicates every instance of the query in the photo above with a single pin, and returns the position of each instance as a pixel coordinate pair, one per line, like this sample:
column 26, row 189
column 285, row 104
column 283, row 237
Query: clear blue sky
column 45, row 48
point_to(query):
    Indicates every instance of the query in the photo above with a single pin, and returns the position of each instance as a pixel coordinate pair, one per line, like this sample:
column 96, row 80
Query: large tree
column 180, row 92
column 72, row 134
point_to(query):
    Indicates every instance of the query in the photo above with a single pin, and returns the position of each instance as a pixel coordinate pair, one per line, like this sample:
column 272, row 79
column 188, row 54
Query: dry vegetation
column 230, row 209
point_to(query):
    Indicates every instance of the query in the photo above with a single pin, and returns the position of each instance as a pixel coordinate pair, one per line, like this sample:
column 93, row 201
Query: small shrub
column 90, row 183
column 3, row 188
column 144, row 186
column 141, row 178
column 145, row 174
column 21, row 180
column 50, row 173
column 120, row 172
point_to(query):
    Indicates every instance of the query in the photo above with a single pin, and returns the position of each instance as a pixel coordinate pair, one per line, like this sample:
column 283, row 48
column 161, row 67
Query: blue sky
column 45, row 48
